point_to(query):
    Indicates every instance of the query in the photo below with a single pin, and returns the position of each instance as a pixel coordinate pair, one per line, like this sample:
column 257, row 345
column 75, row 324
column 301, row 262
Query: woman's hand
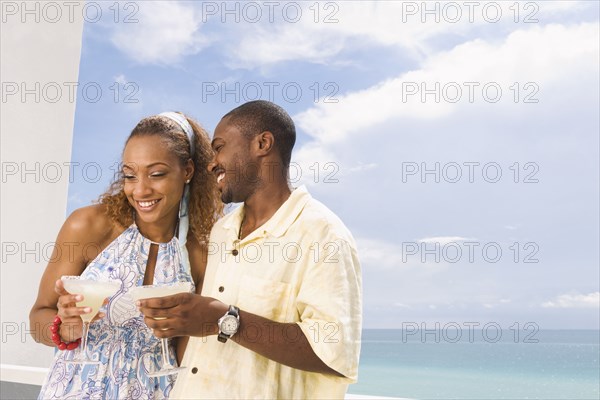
column 70, row 314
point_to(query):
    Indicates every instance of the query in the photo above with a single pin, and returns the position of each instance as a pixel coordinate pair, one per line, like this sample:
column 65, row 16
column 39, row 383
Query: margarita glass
column 151, row 291
column 94, row 293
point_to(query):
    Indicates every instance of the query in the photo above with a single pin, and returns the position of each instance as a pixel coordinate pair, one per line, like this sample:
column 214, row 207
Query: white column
column 39, row 53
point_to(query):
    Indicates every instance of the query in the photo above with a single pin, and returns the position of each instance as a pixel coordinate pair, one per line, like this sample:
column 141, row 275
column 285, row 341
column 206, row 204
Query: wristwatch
column 229, row 324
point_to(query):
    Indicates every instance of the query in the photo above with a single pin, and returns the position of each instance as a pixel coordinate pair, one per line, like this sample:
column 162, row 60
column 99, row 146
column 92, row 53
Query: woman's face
column 153, row 180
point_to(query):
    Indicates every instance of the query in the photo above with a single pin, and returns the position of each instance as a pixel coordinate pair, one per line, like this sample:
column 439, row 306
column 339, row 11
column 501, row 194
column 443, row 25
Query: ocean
column 476, row 364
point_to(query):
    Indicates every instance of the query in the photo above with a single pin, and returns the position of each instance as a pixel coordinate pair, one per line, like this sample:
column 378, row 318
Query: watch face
column 229, row 325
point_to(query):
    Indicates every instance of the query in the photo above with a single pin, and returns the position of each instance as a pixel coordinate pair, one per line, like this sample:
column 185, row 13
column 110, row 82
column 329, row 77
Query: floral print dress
column 121, row 341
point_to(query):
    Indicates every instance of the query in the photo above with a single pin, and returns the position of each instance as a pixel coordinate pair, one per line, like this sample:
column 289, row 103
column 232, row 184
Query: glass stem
column 165, row 350
column 84, row 339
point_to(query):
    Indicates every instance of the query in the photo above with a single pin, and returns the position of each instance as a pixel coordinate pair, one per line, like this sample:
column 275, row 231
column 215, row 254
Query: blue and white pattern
column 121, row 341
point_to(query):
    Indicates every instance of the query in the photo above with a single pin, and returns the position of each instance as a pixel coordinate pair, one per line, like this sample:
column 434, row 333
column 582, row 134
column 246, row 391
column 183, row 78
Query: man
column 279, row 315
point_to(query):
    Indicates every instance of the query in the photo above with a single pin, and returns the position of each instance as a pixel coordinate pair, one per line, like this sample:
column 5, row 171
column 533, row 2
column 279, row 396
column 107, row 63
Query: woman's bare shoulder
column 92, row 224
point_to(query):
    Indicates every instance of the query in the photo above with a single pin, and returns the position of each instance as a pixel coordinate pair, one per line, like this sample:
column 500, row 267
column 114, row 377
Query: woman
column 138, row 234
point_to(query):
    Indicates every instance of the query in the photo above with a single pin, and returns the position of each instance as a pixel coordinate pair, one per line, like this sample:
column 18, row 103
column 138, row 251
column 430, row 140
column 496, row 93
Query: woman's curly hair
column 205, row 205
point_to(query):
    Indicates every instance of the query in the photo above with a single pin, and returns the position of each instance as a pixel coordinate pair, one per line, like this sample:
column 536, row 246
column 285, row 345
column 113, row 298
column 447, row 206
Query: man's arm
column 284, row 343
column 194, row 315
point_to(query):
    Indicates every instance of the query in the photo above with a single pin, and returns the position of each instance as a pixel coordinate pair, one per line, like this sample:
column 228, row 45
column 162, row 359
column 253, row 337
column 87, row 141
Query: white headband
column 184, row 124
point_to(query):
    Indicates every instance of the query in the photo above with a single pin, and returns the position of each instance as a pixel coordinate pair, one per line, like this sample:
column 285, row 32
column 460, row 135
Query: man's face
column 232, row 164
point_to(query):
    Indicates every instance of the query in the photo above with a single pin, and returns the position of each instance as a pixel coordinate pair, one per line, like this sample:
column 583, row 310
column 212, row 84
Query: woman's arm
column 83, row 235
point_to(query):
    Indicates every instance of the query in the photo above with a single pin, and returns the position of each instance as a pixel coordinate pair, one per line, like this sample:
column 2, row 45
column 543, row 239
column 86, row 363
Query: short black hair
column 257, row 116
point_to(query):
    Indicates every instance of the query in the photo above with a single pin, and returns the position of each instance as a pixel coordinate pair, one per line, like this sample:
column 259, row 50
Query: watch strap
column 234, row 311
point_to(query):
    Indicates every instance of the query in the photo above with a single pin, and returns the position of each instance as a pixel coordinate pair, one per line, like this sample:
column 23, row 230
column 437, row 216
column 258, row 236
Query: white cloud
column 311, row 164
column 120, row 79
column 362, row 167
column 569, row 50
column 322, row 42
column 444, row 240
column 276, row 45
column 166, row 32
column 591, row 300
column 336, row 25
column 398, row 24
column 379, row 254
column 559, row 7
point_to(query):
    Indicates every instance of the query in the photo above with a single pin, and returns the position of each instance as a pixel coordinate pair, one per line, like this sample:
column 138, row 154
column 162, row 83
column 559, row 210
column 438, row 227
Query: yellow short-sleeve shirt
column 300, row 266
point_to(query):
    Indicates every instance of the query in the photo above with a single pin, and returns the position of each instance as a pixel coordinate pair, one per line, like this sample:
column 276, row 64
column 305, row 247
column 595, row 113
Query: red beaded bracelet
column 55, row 329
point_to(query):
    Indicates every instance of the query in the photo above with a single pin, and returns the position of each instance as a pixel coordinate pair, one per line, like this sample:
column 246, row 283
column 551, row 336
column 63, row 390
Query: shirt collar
column 279, row 222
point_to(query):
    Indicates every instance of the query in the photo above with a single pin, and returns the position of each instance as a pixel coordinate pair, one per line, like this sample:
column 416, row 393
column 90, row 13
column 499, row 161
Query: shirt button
column 221, row 289
column 194, row 370
column 235, row 252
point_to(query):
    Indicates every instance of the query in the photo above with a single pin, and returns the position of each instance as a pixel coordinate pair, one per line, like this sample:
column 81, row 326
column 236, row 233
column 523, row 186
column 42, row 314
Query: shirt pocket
column 269, row 299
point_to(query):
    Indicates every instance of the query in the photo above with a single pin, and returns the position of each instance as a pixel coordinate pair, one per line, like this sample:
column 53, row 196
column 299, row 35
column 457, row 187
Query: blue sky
column 504, row 105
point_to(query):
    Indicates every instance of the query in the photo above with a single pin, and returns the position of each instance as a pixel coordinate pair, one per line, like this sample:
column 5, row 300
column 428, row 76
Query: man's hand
column 183, row 314
column 187, row 314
